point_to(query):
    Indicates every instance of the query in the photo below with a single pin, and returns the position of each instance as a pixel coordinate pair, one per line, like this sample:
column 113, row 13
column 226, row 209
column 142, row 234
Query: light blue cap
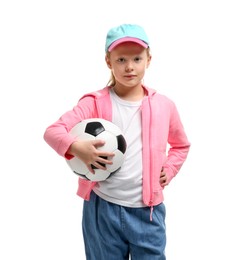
column 126, row 33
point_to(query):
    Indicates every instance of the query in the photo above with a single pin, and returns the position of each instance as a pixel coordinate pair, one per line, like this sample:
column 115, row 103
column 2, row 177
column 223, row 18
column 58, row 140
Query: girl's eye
column 137, row 59
column 121, row 60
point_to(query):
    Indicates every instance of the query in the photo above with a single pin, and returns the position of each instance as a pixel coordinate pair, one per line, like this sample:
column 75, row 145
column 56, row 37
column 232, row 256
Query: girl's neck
column 130, row 93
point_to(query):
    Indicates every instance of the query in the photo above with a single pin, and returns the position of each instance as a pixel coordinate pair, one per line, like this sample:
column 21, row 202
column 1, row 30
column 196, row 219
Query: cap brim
column 127, row 39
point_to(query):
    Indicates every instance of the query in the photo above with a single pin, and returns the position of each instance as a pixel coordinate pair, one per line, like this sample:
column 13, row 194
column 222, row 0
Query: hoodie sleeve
column 179, row 145
column 57, row 134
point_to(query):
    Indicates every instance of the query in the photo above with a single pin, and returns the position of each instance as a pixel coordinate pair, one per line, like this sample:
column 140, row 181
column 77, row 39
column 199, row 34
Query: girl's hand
column 163, row 178
column 87, row 152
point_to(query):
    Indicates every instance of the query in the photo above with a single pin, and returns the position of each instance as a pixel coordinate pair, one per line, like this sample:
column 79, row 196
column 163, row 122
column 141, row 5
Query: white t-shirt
column 125, row 186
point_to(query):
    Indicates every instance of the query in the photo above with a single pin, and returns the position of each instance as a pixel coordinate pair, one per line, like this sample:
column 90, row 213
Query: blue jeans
column 113, row 232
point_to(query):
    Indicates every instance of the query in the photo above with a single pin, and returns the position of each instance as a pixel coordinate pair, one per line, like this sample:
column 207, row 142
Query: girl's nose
column 129, row 67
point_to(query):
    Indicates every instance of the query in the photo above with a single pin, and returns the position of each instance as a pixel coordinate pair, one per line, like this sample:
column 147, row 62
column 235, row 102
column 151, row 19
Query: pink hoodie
column 161, row 125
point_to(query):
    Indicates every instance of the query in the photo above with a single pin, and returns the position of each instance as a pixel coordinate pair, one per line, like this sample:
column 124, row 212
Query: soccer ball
column 99, row 129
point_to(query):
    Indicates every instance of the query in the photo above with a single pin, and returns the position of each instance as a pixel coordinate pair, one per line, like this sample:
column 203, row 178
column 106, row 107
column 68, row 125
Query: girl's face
column 128, row 62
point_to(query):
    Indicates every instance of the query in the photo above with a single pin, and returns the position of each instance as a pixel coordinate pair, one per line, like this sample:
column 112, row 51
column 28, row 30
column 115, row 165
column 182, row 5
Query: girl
column 125, row 215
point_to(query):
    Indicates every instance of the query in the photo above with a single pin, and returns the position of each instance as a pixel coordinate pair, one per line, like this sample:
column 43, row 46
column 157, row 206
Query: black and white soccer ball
column 99, row 129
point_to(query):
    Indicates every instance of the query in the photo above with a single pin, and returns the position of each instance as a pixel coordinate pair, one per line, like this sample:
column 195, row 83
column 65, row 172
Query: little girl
column 125, row 215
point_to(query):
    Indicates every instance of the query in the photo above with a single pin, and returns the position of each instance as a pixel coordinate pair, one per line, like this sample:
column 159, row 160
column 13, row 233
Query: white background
column 52, row 52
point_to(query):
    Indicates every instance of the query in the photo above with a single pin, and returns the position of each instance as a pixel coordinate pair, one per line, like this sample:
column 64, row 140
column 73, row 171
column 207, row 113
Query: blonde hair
column 112, row 80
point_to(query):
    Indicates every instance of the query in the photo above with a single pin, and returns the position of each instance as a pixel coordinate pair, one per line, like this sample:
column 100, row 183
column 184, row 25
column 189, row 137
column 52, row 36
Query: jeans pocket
column 159, row 212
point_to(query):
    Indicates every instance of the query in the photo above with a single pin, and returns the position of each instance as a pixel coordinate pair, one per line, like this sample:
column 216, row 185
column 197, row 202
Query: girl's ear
column 107, row 60
column 148, row 61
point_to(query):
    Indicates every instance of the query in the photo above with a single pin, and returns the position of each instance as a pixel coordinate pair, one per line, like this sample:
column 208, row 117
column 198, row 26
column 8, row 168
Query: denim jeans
column 114, row 232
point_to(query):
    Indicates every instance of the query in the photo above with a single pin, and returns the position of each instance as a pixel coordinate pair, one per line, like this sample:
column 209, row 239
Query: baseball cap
column 126, row 33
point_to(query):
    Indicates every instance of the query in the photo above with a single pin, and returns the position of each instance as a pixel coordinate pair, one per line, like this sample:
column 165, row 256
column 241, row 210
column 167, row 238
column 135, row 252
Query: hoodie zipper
column 151, row 175
column 148, row 124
